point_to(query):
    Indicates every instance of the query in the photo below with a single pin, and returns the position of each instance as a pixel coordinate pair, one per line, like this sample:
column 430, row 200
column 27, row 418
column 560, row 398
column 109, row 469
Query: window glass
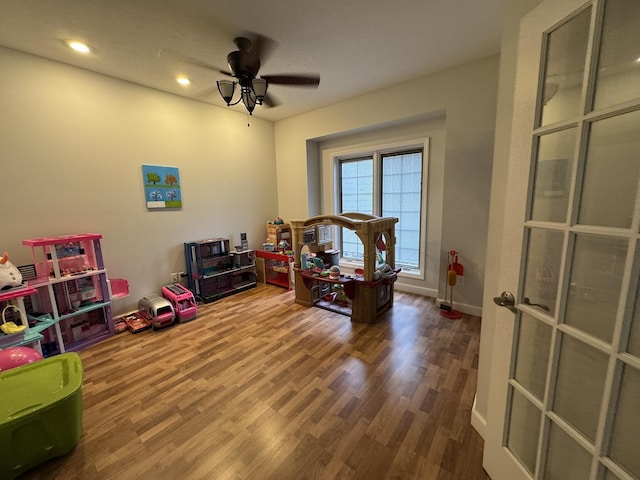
column 401, row 198
column 387, row 184
column 356, row 195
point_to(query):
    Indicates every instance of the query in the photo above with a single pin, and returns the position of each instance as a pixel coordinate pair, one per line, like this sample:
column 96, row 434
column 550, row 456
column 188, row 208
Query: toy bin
column 40, row 412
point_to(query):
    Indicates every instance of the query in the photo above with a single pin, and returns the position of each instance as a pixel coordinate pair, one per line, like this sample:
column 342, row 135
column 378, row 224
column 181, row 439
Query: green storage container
column 40, row 412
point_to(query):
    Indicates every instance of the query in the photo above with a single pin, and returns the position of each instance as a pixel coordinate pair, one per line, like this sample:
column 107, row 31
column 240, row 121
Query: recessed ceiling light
column 182, row 80
column 638, row 60
column 78, row 46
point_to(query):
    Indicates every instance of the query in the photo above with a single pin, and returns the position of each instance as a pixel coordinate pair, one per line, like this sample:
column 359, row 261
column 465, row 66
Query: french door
column 564, row 399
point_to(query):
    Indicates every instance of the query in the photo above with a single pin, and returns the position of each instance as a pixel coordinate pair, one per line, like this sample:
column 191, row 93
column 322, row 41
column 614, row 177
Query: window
column 388, row 184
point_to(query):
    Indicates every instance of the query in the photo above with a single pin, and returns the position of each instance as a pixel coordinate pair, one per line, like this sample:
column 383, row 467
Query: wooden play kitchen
column 369, row 294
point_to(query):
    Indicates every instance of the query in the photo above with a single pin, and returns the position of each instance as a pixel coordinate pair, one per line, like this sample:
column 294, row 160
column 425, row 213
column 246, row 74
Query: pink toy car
column 182, row 300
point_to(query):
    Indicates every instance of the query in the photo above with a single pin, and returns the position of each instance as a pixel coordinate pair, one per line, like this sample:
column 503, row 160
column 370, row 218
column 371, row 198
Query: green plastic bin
column 40, row 412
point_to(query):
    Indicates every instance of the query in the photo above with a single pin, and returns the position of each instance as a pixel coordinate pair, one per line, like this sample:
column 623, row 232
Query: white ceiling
column 356, row 46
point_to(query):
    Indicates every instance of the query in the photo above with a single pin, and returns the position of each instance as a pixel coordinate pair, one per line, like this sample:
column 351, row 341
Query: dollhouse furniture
column 369, row 295
column 15, row 296
column 72, row 295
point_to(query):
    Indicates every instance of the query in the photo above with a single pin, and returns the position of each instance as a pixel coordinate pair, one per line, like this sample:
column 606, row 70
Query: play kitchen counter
column 349, row 295
column 367, row 297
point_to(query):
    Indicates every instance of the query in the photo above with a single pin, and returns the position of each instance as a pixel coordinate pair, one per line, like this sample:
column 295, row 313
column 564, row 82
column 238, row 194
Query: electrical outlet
column 181, row 275
column 174, row 278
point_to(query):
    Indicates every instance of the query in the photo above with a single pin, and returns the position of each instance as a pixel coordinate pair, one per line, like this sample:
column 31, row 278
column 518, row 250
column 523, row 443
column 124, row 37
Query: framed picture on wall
column 162, row 187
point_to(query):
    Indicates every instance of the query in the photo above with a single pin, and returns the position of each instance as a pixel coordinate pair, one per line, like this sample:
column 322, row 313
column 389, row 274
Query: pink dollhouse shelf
column 119, row 288
column 16, row 292
column 39, row 242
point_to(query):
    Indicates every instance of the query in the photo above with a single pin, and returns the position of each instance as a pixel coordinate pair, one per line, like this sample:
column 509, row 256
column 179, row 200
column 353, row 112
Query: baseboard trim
column 425, row 292
column 464, row 308
column 478, row 421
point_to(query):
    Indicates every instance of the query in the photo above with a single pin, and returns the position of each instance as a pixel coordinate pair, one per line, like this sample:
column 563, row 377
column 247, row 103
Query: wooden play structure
column 371, row 293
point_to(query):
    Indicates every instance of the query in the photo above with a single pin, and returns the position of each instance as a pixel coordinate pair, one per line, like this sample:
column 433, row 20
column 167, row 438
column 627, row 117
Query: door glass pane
column 524, row 429
column 532, row 354
column 634, row 337
column 551, row 185
column 578, row 402
column 624, row 441
column 544, row 254
column 611, row 172
column 564, row 69
column 566, row 459
column 618, row 78
column 596, row 279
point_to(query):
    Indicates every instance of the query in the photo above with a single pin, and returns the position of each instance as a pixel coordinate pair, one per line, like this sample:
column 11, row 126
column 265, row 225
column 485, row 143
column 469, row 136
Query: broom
column 448, row 306
column 448, row 311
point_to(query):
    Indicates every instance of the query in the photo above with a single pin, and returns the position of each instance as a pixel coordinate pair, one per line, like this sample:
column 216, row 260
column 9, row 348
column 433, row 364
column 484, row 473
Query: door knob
column 507, row 300
column 527, row 301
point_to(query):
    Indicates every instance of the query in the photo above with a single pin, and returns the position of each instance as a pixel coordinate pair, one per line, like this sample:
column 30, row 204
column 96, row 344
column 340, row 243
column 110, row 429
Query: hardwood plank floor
column 258, row 387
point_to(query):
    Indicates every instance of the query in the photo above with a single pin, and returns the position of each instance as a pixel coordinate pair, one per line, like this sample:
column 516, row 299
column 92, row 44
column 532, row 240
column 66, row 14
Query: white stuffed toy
column 10, row 276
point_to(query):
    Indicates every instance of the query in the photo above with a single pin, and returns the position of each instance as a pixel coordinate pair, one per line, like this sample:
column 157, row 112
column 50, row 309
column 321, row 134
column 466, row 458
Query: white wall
column 71, row 148
column 466, row 95
column 514, row 10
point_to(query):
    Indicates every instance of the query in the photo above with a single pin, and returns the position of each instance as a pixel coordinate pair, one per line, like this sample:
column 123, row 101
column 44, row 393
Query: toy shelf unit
column 27, row 337
column 214, row 272
column 278, row 232
column 71, row 305
column 275, row 268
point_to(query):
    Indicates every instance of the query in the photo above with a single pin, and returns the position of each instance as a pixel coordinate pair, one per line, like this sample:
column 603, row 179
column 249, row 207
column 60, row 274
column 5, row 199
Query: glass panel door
column 573, row 392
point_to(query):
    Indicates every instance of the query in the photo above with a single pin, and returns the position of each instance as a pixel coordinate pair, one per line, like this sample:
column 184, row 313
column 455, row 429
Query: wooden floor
column 258, row 387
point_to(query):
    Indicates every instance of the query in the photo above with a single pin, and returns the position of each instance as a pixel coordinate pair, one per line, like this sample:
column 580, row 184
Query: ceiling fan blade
column 298, row 80
column 182, row 58
column 270, row 101
column 261, row 46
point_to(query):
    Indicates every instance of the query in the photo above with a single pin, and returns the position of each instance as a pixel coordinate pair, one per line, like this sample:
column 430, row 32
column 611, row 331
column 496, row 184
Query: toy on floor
column 17, row 356
column 160, row 311
column 184, row 304
column 453, row 270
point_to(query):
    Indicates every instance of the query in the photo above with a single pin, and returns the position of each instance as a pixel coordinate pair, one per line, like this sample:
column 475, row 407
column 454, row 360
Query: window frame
column 376, row 153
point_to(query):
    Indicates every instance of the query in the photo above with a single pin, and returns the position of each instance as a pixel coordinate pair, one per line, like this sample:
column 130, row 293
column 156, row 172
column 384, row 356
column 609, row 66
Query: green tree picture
column 153, row 177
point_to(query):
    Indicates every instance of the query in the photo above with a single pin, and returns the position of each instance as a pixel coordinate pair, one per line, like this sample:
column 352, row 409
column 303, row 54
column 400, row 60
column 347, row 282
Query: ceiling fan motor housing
column 242, row 64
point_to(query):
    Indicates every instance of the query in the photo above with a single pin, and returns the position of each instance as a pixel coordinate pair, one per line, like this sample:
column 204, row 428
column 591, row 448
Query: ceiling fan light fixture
column 248, row 99
column 244, row 64
column 226, row 89
column 259, row 87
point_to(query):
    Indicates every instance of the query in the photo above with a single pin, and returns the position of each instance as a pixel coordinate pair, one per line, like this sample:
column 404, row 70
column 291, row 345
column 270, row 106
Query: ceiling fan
column 244, row 64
